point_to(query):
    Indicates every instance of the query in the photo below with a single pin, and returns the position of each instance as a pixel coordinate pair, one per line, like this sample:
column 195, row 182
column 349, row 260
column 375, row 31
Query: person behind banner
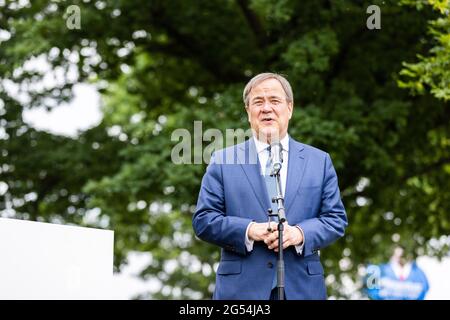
column 234, row 199
column 400, row 279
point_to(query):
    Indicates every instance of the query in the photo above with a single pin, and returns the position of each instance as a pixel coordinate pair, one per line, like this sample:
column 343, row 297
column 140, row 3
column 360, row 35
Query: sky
column 438, row 277
column 81, row 113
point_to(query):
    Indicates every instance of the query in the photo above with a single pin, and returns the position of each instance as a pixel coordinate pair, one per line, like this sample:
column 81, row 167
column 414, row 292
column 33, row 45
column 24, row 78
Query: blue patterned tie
column 272, row 191
column 270, row 182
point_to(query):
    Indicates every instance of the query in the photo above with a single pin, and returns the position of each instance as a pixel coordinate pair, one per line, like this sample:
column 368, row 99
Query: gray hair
column 256, row 80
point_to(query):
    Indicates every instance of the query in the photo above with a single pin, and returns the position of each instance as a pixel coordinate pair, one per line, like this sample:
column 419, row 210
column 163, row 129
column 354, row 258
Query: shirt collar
column 261, row 146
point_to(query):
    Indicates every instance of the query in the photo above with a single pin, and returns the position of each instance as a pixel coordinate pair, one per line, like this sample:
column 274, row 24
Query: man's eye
column 275, row 101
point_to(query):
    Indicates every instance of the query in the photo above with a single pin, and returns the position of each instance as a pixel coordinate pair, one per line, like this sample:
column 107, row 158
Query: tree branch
column 192, row 49
column 253, row 22
column 427, row 169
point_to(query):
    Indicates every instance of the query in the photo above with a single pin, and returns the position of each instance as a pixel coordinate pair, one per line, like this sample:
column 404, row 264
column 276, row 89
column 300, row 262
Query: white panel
column 50, row 261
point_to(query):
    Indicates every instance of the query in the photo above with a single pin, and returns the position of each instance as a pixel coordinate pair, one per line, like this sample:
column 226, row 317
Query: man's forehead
column 266, row 95
column 269, row 87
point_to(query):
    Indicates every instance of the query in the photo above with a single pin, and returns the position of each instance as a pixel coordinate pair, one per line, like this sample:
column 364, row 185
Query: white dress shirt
column 401, row 272
column 263, row 157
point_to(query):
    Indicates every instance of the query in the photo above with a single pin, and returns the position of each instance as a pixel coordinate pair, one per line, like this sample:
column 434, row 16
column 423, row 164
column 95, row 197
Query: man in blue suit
column 235, row 196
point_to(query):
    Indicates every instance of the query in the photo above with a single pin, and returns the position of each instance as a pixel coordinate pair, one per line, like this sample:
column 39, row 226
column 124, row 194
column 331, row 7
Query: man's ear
column 290, row 108
column 248, row 113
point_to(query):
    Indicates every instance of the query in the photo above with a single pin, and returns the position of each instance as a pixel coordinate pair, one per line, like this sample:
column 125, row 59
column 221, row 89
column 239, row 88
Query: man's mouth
column 267, row 120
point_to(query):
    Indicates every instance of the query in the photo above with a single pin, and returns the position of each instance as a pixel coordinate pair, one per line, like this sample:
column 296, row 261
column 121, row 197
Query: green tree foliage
column 161, row 65
column 431, row 72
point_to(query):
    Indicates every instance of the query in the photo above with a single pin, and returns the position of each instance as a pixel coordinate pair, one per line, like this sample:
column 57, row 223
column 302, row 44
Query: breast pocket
column 229, row 267
column 315, row 268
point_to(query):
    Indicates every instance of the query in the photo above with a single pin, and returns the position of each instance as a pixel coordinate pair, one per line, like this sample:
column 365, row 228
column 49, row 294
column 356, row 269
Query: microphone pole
column 277, row 161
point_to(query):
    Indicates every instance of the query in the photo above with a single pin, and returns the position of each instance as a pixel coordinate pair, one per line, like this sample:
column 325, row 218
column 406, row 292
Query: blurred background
column 91, row 92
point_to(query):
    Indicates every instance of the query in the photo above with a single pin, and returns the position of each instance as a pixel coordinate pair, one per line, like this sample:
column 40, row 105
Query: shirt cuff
column 248, row 242
column 299, row 248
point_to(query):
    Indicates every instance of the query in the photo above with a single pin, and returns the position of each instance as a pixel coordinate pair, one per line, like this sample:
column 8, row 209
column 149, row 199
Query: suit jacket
column 233, row 194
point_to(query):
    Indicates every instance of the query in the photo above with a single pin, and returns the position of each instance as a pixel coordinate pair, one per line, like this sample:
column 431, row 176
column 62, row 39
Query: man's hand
column 259, row 231
column 292, row 236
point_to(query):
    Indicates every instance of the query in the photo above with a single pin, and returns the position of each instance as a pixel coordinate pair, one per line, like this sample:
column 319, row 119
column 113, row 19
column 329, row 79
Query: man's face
column 268, row 111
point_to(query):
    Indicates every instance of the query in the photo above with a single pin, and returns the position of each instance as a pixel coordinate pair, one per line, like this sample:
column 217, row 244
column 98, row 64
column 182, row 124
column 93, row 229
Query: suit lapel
column 248, row 159
column 295, row 173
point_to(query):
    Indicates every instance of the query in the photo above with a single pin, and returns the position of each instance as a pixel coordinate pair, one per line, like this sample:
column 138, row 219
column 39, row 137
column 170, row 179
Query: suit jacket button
column 269, row 264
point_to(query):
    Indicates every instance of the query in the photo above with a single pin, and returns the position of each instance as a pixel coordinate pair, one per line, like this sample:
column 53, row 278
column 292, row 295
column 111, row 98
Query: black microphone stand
column 279, row 200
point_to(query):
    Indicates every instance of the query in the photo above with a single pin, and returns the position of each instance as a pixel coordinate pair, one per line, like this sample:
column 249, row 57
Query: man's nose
column 267, row 106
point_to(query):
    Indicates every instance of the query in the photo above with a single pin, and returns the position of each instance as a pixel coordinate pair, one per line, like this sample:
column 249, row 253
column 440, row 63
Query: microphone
column 277, row 157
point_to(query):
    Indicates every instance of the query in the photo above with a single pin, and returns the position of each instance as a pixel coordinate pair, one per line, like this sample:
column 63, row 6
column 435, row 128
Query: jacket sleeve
column 331, row 221
column 210, row 221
